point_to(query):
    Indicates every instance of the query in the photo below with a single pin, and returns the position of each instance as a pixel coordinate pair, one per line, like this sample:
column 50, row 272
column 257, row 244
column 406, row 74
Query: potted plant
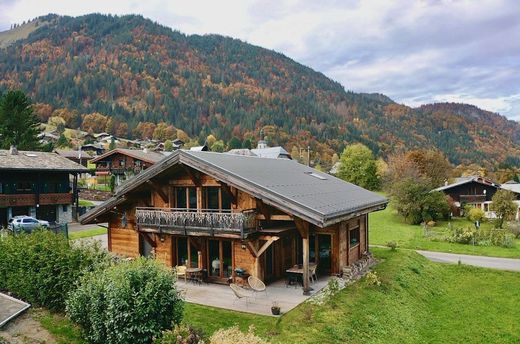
column 275, row 308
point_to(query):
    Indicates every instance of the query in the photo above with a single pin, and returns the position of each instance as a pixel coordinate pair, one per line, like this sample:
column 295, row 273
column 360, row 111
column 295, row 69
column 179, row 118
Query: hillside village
column 218, row 192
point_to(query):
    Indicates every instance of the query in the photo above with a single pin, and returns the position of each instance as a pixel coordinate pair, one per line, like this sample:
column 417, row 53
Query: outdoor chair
column 256, row 285
column 239, row 292
column 312, row 273
column 181, row 271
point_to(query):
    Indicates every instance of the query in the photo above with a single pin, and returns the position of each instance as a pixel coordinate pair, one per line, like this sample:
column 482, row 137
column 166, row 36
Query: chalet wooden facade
column 122, row 162
column 222, row 213
column 473, row 191
column 38, row 184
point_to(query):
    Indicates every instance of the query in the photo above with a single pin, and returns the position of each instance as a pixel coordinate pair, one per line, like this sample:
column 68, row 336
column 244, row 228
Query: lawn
column 87, row 233
column 387, row 226
column 418, row 302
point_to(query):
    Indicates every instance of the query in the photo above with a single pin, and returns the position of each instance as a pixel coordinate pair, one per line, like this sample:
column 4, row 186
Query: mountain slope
column 138, row 71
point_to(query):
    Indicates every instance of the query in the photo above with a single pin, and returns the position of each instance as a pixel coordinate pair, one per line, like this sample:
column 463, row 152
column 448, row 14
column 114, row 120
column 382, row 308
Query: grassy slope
column 387, row 226
column 419, row 301
column 87, row 233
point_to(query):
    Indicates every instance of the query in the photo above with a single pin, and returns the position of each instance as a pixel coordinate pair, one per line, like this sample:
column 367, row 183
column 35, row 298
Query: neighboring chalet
column 263, row 151
column 95, row 149
column 222, row 213
column 121, row 162
column 37, row 184
column 474, row 191
column 78, row 156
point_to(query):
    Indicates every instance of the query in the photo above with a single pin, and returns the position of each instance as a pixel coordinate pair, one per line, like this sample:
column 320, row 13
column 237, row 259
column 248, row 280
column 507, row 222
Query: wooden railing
column 222, row 221
column 20, row 200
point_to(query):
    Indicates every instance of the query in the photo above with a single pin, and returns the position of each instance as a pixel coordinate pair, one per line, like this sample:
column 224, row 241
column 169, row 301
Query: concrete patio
column 221, row 296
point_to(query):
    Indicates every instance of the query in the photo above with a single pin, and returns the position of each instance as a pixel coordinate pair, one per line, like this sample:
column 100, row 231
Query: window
column 216, row 198
column 212, row 197
column 186, row 197
column 64, row 208
column 354, row 236
column 23, row 187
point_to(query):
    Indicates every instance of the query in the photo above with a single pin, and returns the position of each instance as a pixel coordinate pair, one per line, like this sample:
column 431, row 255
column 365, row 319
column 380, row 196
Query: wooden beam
column 252, row 249
column 263, row 209
column 230, row 193
column 301, row 226
column 157, row 188
column 195, row 180
column 266, row 245
column 148, row 239
column 275, row 217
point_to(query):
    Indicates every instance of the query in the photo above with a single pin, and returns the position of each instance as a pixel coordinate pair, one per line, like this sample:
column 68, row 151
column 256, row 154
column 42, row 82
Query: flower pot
column 275, row 310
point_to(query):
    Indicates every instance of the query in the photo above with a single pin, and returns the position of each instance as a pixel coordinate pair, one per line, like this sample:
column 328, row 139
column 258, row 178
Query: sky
column 415, row 52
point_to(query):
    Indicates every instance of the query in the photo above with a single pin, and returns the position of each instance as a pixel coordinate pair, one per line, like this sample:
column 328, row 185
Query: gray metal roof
column 317, row 197
column 271, row 152
column 37, row 161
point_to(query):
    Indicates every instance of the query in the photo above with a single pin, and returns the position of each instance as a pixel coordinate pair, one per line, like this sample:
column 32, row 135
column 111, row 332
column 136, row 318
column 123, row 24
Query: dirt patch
column 25, row 329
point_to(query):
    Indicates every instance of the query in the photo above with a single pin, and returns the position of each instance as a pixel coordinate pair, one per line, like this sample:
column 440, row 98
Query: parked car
column 26, row 223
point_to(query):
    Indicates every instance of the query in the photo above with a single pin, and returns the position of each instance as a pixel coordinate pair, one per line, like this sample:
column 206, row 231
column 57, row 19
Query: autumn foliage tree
column 95, row 122
column 504, row 206
column 358, row 166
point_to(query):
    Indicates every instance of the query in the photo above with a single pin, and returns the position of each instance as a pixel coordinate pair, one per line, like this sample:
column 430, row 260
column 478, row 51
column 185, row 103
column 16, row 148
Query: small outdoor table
column 295, row 274
column 194, row 274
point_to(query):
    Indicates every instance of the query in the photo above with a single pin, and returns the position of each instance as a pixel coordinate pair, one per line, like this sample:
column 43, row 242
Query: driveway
column 508, row 264
column 102, row 239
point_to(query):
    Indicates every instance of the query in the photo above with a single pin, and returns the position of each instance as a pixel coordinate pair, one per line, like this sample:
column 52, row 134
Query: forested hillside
column 139, row 74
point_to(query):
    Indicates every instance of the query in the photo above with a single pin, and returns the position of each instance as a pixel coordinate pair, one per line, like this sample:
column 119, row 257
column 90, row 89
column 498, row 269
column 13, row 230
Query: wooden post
column 303, row 228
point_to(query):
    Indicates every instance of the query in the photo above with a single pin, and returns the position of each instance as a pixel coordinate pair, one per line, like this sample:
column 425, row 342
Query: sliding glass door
column 219, row 258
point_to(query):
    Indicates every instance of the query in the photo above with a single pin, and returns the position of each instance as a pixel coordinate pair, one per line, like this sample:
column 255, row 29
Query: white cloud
column 423, row 50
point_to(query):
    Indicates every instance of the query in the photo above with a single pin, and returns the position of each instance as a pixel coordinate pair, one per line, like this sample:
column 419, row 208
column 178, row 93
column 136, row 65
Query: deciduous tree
column 504, row 206
column 358, row 166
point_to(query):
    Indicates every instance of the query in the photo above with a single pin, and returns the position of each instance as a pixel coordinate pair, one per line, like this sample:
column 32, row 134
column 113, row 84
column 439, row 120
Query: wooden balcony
column 472, row 198
column 197, row 221
column 24, row 200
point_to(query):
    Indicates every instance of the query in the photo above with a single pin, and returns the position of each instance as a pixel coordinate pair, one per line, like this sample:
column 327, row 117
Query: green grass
column 63, row 330
column 87, row 233
column 85, row 203
column 387, row 226
column 418, row 302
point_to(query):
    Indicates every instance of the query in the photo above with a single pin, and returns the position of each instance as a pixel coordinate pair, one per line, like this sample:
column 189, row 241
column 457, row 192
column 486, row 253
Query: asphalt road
column 481, row 261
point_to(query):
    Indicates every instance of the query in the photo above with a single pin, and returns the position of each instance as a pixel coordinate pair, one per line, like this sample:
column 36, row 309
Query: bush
column 474, row 214
column 372, row 278
column 130, row 302
column 181, row 334
column 233, row 335
column 392, row 244
column 41, row 268
column 514, row 228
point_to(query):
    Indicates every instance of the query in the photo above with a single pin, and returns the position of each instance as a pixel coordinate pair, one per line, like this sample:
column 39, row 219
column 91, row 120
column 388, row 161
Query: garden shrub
column 392, row 245
column 181, row 334
column 372, row 278
column 130, row 302
column 233, row 335
column 474, row 214
column 42, row 267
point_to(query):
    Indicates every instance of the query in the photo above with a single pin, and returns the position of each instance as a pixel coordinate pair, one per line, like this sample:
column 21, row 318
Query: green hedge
column 130, row 302
column 42, row 268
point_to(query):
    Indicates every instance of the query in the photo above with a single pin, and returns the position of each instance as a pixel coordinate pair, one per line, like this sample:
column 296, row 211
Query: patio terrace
column 221, row 296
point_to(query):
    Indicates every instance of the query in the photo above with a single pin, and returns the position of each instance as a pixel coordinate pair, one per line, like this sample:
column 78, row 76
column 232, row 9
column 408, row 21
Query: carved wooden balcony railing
column 205, row 220
column 472, row 198
column 20, row 200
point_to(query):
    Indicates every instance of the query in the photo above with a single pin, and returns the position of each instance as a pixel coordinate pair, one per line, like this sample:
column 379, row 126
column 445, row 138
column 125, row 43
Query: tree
column 414, row 201
column 112, row 144
column 19, row 126
column 504, row 206
column 358, row 166
column 168, row 145
column 218, row 146
column 164, row 131
column 234, row 143
column 63, row 142
column 431, row 164
column 247, row 144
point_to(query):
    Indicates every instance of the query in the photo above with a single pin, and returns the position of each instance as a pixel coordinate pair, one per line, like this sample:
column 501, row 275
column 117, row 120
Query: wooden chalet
column 39, row 184
column 121, row 161
column 224, row 212
column 473, row 191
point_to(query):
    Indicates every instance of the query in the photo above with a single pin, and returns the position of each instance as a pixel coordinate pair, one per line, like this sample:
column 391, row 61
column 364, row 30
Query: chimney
column 145, row 150
column 13, row 150
column 446, row 182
